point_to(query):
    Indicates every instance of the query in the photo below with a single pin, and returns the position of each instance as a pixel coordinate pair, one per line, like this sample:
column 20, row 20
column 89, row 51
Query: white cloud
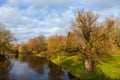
column 54, row 29
column 101, row 4
column 103, row 7
column 19, row 22
column 29, row 18
column 44, row 3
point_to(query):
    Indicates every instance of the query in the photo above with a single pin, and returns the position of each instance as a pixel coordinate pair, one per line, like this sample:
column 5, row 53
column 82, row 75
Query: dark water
column 32, row 68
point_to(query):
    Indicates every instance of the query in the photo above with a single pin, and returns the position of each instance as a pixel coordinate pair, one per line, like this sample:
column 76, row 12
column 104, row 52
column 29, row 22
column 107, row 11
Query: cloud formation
column 45, row 4
column 29, row 18
column 103, row 7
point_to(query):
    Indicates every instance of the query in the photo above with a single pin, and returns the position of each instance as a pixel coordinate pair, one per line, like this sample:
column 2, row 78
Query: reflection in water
column 37, row 64
column 4, row 69
column 34, row 68
column 57, row 73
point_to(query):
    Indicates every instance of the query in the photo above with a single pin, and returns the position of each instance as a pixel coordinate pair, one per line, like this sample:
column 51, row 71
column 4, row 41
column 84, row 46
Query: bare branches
column 91, row 33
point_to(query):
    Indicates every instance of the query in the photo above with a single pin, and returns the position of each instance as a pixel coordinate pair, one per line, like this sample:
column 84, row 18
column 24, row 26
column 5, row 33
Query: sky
column 29, row 18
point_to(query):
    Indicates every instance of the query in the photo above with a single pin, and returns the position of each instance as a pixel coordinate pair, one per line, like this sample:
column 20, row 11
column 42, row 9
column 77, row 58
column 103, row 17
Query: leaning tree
column 95, row 37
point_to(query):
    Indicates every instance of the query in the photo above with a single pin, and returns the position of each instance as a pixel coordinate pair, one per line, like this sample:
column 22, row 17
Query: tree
column 31, row 44
column 95, row 38
column 6, row 38
column 72, row 44
column 117, row 40
column 23, row 48
column 37, row 44
column 56, row 44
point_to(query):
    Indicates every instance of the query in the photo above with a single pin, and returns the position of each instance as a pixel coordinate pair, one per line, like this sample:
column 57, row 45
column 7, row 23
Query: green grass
column 74, row 65
column 111, row 68
column 71, row 64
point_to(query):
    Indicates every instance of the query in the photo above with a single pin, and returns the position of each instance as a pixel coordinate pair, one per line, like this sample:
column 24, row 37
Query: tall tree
column 6, row 38
column 95, row 38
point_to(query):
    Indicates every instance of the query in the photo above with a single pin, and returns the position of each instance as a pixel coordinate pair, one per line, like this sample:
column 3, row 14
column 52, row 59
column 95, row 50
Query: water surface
column 32, row 68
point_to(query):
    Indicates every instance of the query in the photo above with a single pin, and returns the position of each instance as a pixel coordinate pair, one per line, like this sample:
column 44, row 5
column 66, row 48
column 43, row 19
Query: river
column 32, row 68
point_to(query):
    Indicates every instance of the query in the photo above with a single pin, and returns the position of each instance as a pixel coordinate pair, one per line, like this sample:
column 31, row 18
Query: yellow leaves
column 37, row 44
column 97, row 38
column 56, row 43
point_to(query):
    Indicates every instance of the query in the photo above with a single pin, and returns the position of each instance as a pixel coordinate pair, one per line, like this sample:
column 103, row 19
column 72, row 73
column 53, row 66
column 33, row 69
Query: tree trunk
column 89, row 64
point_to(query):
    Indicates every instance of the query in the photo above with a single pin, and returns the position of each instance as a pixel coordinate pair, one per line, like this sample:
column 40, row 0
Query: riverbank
column 74, row 65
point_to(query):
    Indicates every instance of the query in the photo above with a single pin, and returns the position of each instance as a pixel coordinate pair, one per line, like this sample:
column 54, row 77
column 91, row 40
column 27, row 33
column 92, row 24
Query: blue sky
column 29, row 18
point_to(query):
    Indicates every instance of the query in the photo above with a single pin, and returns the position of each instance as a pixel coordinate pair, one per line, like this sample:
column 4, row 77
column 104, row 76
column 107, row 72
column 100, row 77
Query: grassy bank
column 75, row 65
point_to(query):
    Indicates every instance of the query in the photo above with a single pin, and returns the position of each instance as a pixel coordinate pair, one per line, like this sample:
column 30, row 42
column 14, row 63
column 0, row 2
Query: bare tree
column 95, row 38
